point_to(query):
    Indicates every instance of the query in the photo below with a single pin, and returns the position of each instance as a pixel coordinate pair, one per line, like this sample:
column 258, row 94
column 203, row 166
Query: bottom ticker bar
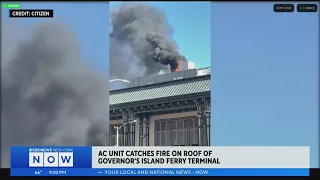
column 159, row 172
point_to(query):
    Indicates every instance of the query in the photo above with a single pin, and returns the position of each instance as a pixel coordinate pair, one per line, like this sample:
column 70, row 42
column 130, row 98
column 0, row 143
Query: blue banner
column 157, row 172
column 66, row 157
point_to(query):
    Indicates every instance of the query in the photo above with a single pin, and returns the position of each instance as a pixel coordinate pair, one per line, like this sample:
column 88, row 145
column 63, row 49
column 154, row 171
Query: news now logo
column 50, row 159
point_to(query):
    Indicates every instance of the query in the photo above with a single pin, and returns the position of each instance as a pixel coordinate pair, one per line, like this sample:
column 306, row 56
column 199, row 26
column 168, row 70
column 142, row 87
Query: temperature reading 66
column 37, row 172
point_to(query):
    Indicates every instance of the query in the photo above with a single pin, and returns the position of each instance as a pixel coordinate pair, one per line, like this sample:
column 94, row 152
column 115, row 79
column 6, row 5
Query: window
column 169, row 125
column 157, row 139
column 131, row 134
column 141, row 136
column 177, row 132
column 162, row 134
column 185, row 124
column 112, row 130
column 125, row 134
column 163, row 139
column 168, row 140
column 174, row 125
column 186, row 135
column 180, row 133
column 112, row 140
column 113, row 134
column 163, row 126
column 179, row 124
column 174, row 138
column 193, row 131
column 180, row 138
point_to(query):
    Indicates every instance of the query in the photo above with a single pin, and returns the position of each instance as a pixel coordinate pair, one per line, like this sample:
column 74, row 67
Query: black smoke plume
column 141, row 42
column 49, row 96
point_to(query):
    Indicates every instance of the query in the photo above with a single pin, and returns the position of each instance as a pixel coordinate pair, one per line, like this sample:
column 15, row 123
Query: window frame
column 176, row 131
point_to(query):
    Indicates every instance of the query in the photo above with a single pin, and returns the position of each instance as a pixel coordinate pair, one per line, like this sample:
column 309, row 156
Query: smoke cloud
column 141, row 42
column 49, row 96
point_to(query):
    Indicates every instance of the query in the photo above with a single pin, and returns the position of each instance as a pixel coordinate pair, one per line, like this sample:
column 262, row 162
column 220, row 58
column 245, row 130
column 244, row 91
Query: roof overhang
column 169, row 91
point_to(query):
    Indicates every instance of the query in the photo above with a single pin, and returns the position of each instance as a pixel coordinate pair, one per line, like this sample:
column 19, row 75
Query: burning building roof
column 141, row 42
column 164, row 53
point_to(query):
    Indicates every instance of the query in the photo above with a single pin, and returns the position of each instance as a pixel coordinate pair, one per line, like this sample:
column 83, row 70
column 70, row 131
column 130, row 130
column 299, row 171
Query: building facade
column 174, row 113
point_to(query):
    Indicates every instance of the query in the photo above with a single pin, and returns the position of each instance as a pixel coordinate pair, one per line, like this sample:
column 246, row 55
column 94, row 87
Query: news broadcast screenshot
column 110, row 88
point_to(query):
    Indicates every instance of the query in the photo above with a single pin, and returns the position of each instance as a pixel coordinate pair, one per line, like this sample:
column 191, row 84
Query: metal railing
column 152, row 79
column 204, row 71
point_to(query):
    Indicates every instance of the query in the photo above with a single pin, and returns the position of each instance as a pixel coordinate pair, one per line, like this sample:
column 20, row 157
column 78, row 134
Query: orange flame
column 177, row 68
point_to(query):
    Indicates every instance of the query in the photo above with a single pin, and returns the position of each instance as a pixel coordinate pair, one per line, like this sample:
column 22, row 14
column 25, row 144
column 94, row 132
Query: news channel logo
column 50, row 159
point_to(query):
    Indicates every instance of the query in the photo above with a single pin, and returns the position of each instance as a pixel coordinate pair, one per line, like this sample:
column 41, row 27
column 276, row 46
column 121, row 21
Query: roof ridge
column 167, row 83
column 158, row 92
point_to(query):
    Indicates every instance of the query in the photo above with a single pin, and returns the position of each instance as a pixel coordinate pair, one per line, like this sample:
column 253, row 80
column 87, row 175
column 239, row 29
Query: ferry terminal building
column 174, row 112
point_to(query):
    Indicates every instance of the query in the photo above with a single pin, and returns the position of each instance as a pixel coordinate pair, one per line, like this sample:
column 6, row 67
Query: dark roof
column 190, row 86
